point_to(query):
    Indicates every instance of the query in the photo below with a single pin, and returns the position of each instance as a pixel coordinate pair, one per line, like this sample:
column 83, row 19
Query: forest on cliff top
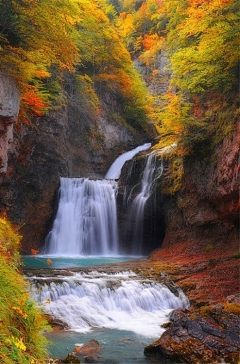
column 98, row 41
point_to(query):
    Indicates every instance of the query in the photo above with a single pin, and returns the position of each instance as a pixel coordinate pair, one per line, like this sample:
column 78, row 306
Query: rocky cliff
column 200, row 252
column 9, row 108
column 72, row 140
column 206, row 209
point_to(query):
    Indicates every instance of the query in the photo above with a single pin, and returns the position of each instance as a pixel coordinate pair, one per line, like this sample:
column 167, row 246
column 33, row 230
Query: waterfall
column 115, row 169
column 136, row 206
column 86, row 221
column 120, row 301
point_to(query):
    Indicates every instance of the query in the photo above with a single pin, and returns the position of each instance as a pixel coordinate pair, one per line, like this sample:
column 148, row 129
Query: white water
column 115, row 169
column 86, row 221
column 114, row 301
column 152, row 172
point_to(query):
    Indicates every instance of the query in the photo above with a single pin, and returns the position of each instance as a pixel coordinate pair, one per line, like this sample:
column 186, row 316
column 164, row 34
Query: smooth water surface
column 117, row 347
column 51, row 261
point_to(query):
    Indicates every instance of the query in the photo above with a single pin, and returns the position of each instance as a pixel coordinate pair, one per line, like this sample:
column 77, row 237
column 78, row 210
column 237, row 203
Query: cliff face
column 72, row 141
column 205, row 210
column 75, row 141
column 9, row 108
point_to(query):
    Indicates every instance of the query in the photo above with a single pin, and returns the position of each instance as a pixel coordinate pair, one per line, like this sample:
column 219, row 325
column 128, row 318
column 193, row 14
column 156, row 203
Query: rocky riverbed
column 207, row 332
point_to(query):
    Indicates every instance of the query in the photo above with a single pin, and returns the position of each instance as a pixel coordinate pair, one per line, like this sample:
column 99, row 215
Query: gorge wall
column 71, row 141
column 205, row 211
column 74, row 141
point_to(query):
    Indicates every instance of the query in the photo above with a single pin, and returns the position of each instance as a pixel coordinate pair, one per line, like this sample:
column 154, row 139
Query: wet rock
column 195, row 339
column 91, row 359
column 91, row 347
column 56, row 324
column 71, row 358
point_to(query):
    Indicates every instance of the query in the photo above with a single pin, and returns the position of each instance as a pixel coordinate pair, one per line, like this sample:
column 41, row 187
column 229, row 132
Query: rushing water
column 115, row 169
column 109, row 307
column 123, row 311
column 86, row 221
column 152, row 172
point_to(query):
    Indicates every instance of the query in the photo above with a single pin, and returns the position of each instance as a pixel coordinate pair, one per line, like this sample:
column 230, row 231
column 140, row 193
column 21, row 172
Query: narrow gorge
column 119, row 174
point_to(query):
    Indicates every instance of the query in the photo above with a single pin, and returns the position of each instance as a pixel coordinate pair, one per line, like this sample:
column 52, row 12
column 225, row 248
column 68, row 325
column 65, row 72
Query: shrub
column 21, row 323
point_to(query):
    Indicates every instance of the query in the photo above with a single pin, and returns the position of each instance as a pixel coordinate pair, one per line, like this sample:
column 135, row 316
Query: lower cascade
column 120, row 301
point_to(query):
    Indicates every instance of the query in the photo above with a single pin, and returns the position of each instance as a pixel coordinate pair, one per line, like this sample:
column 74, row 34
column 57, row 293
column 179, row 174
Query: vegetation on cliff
column 201, row 41
column 20, row 321
column 42, row 41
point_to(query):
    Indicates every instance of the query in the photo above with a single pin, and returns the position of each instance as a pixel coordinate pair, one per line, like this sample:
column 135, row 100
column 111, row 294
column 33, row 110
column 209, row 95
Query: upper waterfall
column 115, row 169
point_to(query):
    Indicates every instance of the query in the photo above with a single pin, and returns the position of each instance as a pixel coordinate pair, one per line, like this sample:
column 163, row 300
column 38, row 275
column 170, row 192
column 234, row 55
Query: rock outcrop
column 209, row 339
column 206, row 209
column 200, row 251
column 9, row 108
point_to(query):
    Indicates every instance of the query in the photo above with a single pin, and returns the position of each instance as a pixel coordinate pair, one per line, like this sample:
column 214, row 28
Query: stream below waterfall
column 120, row 309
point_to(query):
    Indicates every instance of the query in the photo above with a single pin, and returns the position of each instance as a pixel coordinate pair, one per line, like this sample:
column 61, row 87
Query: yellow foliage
column 20, row 321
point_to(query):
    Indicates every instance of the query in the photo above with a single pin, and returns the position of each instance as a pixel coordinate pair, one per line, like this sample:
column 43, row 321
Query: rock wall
column 9, row 108
column 206, row 209
column 72, row 140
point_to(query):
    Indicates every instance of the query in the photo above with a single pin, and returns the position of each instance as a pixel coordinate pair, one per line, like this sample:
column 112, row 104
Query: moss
column 236, row 256
column 189, row 286
column 166, row 325
column 173, row 177
column 209, row 247
column 205, row 310
column 232, row 308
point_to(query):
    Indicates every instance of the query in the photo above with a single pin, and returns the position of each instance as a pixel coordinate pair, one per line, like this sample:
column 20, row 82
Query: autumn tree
column 34, row 35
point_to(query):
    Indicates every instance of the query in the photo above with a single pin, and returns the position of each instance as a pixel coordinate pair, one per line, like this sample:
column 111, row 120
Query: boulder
column 91, row 359
column 91, row 347
column 193, row 338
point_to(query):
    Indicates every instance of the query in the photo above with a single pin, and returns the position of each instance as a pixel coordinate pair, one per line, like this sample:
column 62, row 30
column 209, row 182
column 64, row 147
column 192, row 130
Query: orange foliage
column 33, row 102
column 213, row 102
column 150, row 40
column 34, row 251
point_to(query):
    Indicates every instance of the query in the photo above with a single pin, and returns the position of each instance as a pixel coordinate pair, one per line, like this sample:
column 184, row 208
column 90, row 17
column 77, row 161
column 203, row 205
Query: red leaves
column 33, row 102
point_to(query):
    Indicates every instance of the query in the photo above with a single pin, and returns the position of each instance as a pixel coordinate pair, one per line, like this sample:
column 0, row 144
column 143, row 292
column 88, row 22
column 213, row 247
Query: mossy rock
column 71, row 358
